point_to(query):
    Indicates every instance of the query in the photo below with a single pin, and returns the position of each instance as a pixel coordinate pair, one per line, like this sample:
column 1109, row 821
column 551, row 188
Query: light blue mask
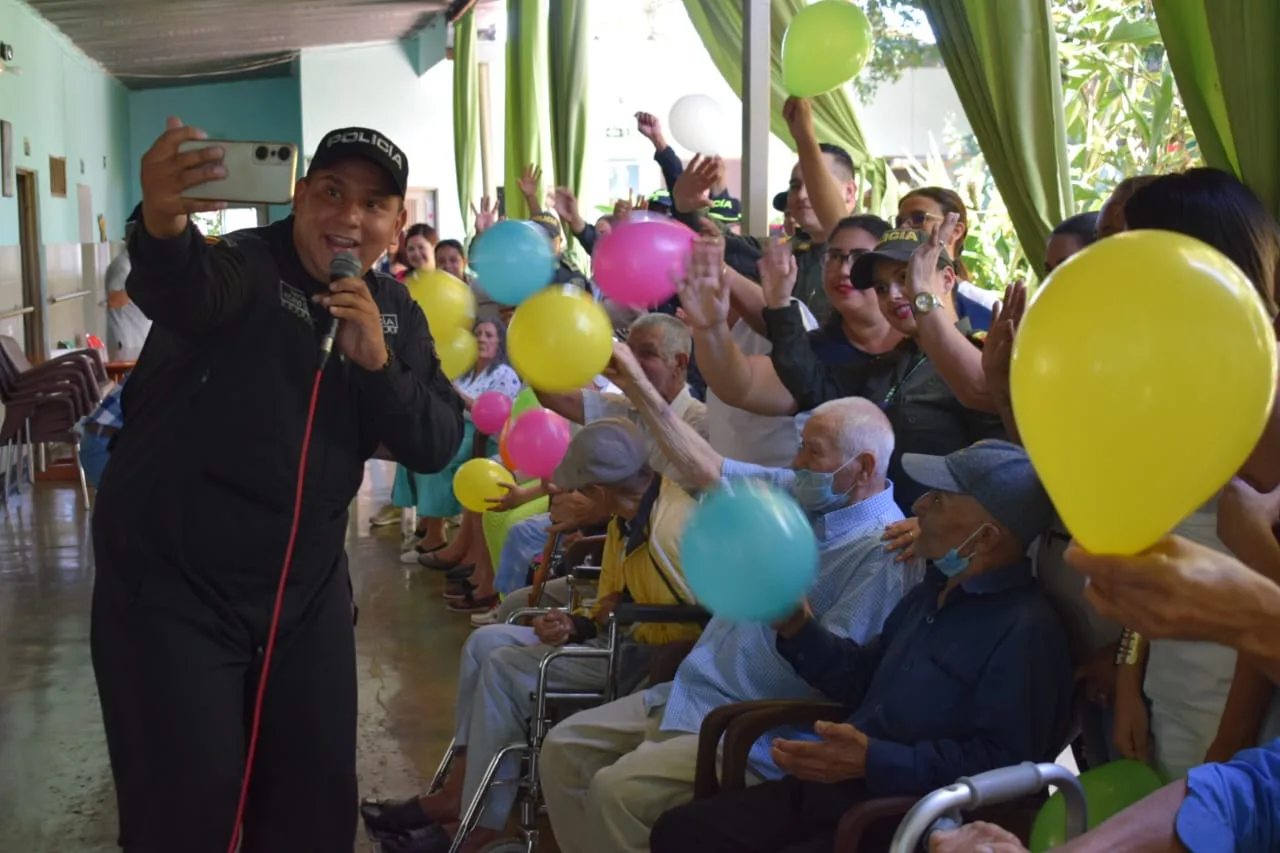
column 951, row 563
column 814, row 491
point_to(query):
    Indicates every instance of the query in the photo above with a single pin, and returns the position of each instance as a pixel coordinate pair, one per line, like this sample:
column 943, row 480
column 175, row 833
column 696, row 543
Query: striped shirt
column 858, row 585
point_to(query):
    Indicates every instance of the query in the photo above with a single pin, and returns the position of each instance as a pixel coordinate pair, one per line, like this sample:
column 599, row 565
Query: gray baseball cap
column 998, row 475
column 603, row 452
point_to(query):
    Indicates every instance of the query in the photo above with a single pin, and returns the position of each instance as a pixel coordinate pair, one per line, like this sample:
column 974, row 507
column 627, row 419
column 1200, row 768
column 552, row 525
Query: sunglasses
column 915, row 219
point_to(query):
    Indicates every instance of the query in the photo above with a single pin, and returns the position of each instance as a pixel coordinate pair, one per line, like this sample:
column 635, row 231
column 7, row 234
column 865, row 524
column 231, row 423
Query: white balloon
column 697, row 124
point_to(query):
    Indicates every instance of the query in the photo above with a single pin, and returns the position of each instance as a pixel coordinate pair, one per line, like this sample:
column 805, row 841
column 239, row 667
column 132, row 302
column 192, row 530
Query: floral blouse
column 498, row 377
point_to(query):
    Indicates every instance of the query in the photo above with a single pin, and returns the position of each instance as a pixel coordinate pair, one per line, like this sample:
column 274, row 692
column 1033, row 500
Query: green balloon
column 825, row 46
column 1109, row 790
column 523, row 402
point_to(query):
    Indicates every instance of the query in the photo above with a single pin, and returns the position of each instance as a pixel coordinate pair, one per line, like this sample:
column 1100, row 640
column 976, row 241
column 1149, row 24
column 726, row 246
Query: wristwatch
column 925, row 302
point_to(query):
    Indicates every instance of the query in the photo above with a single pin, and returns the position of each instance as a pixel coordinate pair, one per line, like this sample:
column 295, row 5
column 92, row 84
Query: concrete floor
column 56, row 794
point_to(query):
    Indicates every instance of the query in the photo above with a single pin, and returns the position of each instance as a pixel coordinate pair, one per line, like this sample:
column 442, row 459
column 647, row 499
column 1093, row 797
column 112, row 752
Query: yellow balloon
column 447, row 302
column 477, row 481
column 457, row 350
column 1142, row 377
column 559, row 339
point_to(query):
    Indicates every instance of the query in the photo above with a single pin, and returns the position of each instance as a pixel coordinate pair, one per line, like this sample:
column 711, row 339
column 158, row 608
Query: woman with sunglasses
column 923, row 209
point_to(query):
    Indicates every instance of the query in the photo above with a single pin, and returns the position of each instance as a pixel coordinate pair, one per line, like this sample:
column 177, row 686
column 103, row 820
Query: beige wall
column 66, row 268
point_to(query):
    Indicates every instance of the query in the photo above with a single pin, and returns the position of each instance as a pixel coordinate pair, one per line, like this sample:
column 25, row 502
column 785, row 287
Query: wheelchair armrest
column 585, row 574
column 860, row 820
column 630, row 613
column 741, row 725
column 529, row 613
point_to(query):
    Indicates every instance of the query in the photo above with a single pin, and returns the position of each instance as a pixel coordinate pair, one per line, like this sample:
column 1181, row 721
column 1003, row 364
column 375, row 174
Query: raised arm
column 744, row 382
column 650, row 127
column 997, row 352
column 956, row 358
column 680, row 442
column 565, row 204
column 826, row 194
column 181, row 283
column 531, row 187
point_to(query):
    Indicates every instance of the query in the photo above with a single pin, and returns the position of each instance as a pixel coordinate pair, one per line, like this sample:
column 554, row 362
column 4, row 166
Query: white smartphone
column 257, row 172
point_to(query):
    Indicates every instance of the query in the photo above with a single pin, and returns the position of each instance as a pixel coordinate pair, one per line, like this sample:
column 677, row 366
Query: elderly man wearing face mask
column 971, row 672
column 609, row 772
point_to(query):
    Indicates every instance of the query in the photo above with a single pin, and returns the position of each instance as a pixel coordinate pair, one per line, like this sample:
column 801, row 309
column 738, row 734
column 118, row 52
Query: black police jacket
column 203, row 474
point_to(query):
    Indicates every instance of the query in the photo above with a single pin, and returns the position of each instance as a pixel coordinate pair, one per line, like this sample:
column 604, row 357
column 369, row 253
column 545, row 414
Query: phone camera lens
column 261, row 152
column 284, row 154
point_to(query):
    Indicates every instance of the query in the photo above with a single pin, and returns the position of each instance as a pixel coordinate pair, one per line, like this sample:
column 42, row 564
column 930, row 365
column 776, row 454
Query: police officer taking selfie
column 208, row 489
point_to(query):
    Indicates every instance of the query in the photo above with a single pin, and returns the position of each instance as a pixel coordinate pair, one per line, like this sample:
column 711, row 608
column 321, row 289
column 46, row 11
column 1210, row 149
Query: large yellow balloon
column 457, row 350
column 559, row 339
column 477, row 481
column 1142, row 376
column 448, row 303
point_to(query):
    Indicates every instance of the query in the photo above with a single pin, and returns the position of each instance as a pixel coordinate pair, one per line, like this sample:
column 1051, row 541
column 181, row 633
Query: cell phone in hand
column 257, row 172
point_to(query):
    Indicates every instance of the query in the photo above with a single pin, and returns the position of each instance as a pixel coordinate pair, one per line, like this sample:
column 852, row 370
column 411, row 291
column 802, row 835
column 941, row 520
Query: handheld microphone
column 343, row 265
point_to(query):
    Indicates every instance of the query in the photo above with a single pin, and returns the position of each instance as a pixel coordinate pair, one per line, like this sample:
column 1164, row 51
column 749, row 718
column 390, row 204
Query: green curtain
column 568, row 42
column 720, row 24
column 1003, row 59
column 466, row 121
column 1223, row 57
column 526, row 96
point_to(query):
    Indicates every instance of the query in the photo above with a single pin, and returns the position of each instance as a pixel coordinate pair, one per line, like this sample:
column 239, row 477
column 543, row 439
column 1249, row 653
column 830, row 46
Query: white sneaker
column 410, row 554
column 488, row 617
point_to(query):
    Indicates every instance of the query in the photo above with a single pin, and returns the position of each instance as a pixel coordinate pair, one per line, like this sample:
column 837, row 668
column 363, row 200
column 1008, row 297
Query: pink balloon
column 490, row 411
column 537, row 442
column 637, row 263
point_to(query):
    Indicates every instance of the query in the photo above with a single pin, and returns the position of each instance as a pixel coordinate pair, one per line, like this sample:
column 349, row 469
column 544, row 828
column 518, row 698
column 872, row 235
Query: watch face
column 925, row 302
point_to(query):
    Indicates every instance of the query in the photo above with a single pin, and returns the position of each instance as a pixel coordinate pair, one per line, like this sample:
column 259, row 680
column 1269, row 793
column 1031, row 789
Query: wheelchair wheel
column 504, row 845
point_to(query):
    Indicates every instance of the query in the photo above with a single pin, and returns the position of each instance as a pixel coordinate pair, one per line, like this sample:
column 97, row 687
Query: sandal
column 470, row 604
column 459, row 573
column 394, row 816
column 457, row 589
column 432, row 561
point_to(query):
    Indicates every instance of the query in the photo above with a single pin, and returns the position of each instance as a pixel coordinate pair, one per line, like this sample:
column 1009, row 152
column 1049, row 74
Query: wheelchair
column 552, row 706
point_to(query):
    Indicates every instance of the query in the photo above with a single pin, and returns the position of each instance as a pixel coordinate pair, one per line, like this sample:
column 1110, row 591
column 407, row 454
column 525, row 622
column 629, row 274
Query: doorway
column 29, row 246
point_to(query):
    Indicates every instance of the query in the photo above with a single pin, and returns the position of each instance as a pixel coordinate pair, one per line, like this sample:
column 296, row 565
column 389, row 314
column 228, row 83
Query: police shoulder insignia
column 978, row 337
column 210, row 240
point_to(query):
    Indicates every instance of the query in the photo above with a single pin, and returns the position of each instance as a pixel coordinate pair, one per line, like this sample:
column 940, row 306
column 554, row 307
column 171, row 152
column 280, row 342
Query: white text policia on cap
column 380, row 142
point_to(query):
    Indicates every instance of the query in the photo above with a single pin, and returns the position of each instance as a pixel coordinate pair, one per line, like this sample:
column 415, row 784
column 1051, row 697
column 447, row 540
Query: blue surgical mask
column 815, row 493
column 951, row 563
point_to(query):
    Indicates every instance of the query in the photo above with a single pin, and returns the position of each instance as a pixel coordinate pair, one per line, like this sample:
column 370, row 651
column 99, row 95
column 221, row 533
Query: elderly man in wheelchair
column 509, row 671
column 972, row 672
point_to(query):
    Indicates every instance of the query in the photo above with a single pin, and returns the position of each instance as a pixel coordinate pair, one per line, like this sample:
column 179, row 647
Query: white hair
column 676, row 337
column 859, row 427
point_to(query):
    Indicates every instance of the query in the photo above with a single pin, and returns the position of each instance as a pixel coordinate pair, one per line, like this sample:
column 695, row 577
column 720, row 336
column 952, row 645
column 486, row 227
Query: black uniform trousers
column 784, row 816
column 177, row 670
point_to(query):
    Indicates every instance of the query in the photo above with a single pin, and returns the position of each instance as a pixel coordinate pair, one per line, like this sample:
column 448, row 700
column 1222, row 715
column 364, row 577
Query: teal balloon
column 749, row 553
column 513, row 260
column 1109, row 790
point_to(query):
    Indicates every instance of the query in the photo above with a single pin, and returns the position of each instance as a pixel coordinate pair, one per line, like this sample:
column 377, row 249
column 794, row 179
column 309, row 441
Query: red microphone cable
column 275, row 613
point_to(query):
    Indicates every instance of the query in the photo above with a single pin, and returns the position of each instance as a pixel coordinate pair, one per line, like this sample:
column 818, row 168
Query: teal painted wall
column 67, row 106
column 266, row 110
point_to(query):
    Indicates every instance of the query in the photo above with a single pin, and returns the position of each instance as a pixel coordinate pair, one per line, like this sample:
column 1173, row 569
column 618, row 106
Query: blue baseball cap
column 996, row 474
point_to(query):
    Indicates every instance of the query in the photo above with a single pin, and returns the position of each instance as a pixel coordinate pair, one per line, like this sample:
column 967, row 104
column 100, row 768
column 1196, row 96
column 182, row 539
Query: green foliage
column 1123, row 117
column 894, row 23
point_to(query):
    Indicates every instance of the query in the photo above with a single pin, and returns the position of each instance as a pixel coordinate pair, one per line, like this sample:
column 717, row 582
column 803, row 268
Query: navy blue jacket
column 983, row 682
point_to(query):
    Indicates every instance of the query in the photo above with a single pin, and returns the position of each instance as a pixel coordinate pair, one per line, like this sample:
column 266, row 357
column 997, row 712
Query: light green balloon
column 523, row 402
column 1108, row 790
column 825, row 46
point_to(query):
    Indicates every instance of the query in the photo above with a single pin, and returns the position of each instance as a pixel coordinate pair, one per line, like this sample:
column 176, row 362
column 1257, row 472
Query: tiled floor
column 55, row 783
